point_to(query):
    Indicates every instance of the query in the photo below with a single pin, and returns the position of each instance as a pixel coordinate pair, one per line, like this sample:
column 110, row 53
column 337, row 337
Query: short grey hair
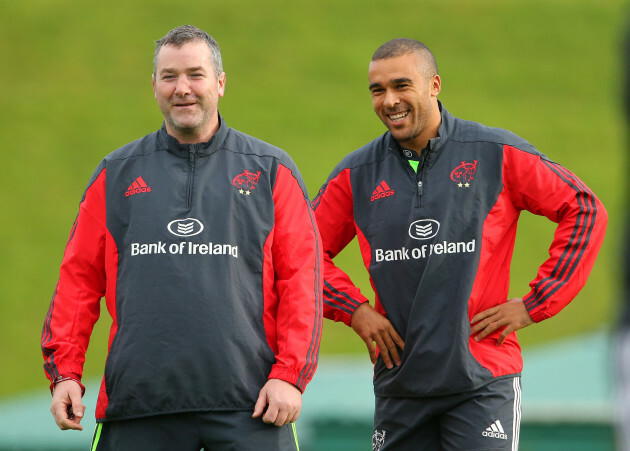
column 404, row 46
column 189, row 33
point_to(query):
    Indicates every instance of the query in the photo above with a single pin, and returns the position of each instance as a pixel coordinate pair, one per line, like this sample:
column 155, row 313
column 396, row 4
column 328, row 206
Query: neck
column 430, row 131
column 193, row 135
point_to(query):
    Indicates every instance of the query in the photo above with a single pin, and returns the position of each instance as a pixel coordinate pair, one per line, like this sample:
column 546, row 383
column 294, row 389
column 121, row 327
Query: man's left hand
column 511, row 315
column 283, row 401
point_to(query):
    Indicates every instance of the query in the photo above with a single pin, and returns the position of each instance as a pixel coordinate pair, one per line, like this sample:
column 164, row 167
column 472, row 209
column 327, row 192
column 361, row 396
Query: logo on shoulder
column 464, row 174
column 378, row 440
column 424, row 229
column 138, row 186
column 246, row 181
column 185, row 227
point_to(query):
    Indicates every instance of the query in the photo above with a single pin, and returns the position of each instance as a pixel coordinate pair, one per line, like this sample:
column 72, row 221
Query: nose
column 182, row 88
column 391, row 98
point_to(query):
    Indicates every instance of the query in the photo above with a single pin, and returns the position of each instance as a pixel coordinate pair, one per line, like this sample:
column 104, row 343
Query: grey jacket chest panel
column 219, row 209
column 189, row 272
column 458, row 190
column 425, row 252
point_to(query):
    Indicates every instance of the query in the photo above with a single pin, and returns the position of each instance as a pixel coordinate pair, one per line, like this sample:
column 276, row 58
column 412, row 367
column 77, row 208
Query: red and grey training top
column 209, row 258
column 438, row 242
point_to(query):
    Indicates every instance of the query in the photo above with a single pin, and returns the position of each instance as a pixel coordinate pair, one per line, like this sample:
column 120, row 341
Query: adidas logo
column 495, row 430
column 138, row 186
column 382, row 190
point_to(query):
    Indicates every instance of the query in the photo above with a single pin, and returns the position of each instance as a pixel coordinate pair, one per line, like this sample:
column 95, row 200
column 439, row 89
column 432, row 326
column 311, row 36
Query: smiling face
column 187, row 91
column 405, row 99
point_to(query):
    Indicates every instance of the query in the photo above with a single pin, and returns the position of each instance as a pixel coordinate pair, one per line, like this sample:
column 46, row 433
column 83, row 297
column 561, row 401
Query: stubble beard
column 406, row 137
column 186, row 125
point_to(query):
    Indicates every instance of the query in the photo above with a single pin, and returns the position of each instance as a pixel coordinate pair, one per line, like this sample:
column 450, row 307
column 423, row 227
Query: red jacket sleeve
column 335, row 218
column 297, row 262
column 546, row 188
column 75, row 306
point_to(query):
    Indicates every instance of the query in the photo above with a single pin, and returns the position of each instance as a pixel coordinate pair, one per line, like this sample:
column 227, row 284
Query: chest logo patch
column 423, row 229
column 381, row 191
column 464, row 173
column 138, row 186
column 246, row 181
column 185, row 227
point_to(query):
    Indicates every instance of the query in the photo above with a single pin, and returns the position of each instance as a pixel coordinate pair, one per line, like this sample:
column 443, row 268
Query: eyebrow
column 395, row 81
column 173, row 70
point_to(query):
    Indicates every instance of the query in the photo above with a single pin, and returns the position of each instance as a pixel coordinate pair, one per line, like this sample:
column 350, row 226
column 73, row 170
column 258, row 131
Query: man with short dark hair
column 203, row 242
column 434, row 203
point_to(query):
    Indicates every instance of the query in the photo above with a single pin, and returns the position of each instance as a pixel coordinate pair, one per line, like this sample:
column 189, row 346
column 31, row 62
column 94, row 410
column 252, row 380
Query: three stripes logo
column 495, row 430
column 382, row 190
column 423, row 229
column 138, row 186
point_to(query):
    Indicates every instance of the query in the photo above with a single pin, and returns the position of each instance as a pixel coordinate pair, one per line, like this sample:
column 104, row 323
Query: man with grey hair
column 203, row 243
column 434, row 203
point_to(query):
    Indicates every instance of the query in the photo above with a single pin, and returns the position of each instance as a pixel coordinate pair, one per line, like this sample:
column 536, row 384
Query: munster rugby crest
column 378, row 440
column 464, row 174
column 246, row 181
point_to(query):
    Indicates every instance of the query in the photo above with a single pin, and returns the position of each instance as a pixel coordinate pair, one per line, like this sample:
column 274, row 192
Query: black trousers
column 208, row 431
column 484, row 419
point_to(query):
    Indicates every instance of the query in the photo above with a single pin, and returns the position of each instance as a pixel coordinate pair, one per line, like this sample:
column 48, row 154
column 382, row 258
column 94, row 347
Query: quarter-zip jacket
column 209, row 258
column 437, row 244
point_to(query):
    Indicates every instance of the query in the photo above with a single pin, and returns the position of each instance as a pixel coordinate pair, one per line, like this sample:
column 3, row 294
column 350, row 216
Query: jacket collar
column 171, row 144
column 435, row 144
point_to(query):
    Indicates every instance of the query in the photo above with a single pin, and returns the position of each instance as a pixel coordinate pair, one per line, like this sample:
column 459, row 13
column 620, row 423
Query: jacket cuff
column 538, row 313
column 286, row 375
column 67, row 377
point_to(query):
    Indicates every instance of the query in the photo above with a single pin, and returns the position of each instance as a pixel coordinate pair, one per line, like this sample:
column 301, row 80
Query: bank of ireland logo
column 246, row 181
column 464, row 174
column 185, row 227
column 424, row 229
column 378, row 440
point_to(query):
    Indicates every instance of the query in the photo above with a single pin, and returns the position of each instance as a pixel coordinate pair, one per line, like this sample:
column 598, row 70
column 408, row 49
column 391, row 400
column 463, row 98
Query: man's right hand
column 373, row 327
column 66, row 406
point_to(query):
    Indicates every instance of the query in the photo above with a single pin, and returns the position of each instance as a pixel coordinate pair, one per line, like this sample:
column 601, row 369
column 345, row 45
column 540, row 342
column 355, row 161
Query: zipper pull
column 419, row 187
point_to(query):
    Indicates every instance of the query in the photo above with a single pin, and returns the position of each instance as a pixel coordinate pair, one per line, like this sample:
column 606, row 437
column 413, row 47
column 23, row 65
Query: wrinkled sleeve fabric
column 334, row 211
column 75, row 305
column 543, row 187
column 297, row 265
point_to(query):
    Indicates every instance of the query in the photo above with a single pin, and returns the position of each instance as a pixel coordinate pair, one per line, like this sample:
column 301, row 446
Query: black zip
column 191, row 174
column 420, row 174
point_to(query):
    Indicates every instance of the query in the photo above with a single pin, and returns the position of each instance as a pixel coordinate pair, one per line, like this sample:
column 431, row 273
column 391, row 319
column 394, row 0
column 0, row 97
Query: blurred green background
column 76, row 84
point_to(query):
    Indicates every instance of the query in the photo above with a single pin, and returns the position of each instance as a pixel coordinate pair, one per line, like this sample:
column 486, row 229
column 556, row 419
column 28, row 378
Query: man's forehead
column 395, row 70
column 189, row 52
column 410, row 62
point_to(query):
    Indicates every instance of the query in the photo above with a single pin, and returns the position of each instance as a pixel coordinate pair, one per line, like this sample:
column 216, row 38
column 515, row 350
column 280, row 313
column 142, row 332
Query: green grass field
column 76, row 85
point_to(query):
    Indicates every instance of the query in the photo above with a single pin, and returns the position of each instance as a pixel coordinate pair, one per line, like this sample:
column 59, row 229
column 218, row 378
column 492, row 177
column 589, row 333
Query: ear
column 221, row 84
column 153, row 84
column 435, row 85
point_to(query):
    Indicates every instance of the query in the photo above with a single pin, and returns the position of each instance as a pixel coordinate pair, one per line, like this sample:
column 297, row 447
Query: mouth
column 398, row 116
column 184, row 105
